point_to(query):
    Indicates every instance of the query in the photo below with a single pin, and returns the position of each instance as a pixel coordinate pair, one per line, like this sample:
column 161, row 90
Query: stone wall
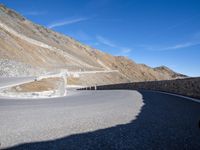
column 187, row 87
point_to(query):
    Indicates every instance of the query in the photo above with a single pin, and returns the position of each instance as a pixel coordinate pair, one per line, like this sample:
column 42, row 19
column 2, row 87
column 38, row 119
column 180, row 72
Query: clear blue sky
column 153, row 32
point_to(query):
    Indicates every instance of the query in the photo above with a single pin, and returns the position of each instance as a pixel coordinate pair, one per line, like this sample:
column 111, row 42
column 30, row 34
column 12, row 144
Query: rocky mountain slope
column 43, row 50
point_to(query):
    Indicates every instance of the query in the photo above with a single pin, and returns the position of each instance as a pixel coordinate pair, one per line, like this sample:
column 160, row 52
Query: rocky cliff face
column 44, row 50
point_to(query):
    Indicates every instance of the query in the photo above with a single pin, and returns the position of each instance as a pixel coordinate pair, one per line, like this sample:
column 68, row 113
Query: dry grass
column 39, row 86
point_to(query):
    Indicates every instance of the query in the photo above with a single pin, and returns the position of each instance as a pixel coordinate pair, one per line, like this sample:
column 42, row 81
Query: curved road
column 12, row 81
column 115, row 119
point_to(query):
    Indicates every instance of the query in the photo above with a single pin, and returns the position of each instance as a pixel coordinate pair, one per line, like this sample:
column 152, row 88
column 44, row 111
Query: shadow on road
column 165, row 122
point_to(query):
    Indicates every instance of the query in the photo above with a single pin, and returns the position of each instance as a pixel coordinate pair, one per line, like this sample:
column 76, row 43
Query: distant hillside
column 44, row 50
column 166, row 70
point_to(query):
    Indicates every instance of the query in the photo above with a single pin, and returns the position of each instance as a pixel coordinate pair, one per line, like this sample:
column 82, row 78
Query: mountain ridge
column 26, row 42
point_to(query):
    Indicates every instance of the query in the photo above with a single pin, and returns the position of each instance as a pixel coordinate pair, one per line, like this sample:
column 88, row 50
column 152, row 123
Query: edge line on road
column 181, row 96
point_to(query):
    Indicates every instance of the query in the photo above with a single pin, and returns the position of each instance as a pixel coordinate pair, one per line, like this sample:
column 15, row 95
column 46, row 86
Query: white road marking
column 177, row 95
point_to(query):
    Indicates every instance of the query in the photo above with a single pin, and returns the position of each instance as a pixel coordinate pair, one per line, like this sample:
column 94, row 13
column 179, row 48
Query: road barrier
column 186, row 87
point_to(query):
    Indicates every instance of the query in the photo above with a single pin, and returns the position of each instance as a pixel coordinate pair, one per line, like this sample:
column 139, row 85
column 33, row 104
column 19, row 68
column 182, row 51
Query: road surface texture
column 45, row 119
column 115, row 119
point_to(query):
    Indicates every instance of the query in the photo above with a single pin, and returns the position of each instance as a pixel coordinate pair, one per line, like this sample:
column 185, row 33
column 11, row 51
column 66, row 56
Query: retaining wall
column 187, row 87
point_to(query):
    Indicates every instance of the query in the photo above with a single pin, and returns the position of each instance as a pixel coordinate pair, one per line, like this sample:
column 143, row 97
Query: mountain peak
column 166, row 70
column 163, row 67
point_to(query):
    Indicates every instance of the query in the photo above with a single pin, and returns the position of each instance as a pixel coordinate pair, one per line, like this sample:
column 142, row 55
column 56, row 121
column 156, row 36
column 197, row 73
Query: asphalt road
column 5, row 82
column 44, row 119
column 113, row 119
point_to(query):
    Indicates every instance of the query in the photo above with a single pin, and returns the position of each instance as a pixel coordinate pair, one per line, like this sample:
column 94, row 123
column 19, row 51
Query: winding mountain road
column 12, row 81
column 115, row 119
